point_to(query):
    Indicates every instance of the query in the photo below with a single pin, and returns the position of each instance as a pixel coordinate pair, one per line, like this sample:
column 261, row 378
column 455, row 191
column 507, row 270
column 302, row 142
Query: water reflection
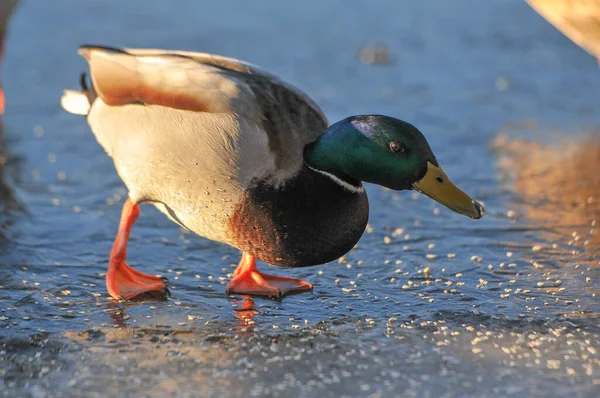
column 245, row 314
column 117, row 314
column 558, row 188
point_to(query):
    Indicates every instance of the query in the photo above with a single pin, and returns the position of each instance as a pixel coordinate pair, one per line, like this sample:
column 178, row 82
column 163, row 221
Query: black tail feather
column 85, row 50
column 83, row 82
column 99, row 47
column 89, row 91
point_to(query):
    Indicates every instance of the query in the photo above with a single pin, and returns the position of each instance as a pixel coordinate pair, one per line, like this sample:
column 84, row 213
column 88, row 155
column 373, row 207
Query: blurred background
column 429, row 303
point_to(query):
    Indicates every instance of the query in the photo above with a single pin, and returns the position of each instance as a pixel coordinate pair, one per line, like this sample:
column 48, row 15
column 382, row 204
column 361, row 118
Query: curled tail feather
column 79, row 102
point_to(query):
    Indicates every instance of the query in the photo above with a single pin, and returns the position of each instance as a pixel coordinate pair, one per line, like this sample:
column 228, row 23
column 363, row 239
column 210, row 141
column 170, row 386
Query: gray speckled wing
column 190, row 131
column 212, row 84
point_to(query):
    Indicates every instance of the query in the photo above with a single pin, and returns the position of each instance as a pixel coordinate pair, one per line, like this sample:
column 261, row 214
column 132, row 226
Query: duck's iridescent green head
column 389, row 152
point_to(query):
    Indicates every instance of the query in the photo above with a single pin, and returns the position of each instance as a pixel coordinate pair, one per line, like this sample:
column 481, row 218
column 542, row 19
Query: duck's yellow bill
column 438, row 187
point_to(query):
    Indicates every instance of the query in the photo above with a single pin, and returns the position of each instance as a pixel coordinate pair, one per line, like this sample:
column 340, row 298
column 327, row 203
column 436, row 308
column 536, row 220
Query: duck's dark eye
column 397, row 147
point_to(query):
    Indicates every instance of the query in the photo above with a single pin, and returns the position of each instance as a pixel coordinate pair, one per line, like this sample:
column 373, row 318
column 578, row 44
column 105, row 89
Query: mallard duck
column 579, row 20
column 234, row 154
column 6, row 9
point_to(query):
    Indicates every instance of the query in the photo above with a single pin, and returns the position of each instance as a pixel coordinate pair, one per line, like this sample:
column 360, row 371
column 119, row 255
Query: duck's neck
column 324, row 156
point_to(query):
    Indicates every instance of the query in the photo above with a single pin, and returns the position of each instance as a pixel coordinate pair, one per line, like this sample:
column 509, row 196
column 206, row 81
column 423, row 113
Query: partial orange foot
column 249, row 280
column 126, row 283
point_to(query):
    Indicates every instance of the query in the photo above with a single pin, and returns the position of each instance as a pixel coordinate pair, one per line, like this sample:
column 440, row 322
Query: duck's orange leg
column 122, row 281
column 249, row 280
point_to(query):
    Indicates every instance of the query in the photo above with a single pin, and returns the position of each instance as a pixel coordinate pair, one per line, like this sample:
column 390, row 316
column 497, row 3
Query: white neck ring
column 339, row 181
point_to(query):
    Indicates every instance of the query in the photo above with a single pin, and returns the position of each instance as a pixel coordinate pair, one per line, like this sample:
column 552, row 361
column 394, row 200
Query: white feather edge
column 75, row 102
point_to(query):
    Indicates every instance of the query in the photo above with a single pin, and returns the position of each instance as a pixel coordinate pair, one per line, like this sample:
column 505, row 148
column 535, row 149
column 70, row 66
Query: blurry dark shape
column 9, row 164
column 559, row 186
column 579, row 20
column 6, row 9
column 375, row 54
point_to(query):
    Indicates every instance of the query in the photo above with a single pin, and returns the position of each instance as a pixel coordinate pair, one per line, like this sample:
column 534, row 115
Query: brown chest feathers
column 311, row 220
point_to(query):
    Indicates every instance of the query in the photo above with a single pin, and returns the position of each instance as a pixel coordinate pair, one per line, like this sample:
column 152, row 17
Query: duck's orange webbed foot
column 122, row 281
column 249, row 280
